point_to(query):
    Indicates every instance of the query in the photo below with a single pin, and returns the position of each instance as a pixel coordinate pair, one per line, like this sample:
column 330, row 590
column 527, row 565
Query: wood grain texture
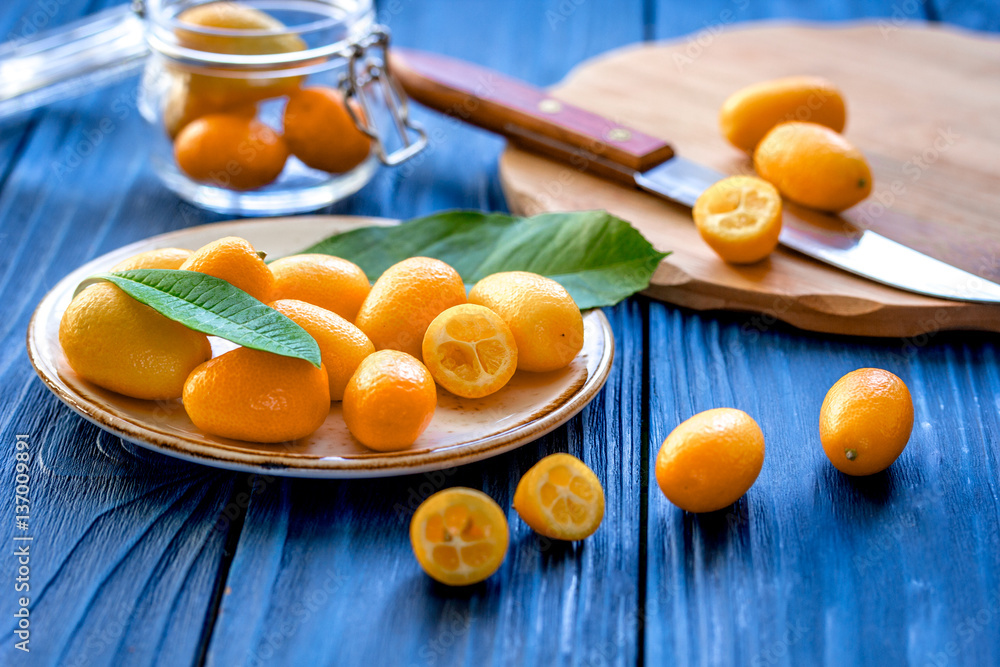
column 929, row 160
column 127, row 547
column 130, row 549
column 812, row 566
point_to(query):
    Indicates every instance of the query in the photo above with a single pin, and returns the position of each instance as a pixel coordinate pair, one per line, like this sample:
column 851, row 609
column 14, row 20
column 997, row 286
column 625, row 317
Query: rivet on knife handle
column 526, row 114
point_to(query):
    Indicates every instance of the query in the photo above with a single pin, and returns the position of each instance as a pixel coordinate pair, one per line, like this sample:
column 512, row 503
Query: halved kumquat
column 740, row 218
column 459, row 536
column 560, row 497
column 470, row 351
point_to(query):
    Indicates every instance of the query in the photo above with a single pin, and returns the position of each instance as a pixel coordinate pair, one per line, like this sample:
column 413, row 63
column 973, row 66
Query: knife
column 532, row 119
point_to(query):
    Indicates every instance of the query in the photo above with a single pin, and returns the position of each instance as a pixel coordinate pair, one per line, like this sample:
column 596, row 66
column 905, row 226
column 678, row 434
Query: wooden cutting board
column 923, row 105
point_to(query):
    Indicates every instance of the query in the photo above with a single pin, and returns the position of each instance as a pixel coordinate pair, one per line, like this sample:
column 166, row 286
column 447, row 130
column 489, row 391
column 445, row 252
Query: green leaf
column 600, row 259
column 215, row 307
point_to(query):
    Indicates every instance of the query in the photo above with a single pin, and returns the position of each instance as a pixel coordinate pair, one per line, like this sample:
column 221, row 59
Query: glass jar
column 261, row 107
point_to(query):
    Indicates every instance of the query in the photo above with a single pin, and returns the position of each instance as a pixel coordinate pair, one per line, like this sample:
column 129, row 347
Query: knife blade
column 531, row 118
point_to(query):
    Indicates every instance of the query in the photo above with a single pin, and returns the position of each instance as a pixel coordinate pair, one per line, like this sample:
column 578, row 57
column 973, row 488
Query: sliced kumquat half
column 459, row 536
column 739, row 218
column 560, row 497
column 470, row 351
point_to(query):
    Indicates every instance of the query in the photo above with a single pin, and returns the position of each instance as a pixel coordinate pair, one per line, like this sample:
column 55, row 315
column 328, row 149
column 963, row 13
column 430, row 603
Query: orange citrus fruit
column 161, row 258
column 234, row 260
column 341, row 344
column 470, row 351
column 459, row 536
column 230, row 150
column 320, row 131
column 547, row 325
column 235, row 28
column 814, row 166
column 709, row 461
column 389, row 401
column 117, row 343
column 181, row 105
column 750, row 113
column 740, row 218
column 560, row 497
column 403, row 301
column 329, row 282
column 258, row 396
column 866, row 421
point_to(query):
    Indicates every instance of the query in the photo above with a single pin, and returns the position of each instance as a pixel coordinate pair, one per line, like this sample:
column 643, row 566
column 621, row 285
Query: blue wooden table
column 138, row 559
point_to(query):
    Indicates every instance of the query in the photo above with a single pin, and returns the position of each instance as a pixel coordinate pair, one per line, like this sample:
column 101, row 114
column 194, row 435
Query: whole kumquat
column 161, row 258
column 545, row 321
column 814, row 166
column 866, row 421
column 341, row 344
column 257, row 396
column 320, row 131
column 329, row 282
column 235, row 28
column 230, row 150
column 709, row 461
column 234, row 260
column 750, row 113
column 389, row 401
column 117, row 343
column 405, row 299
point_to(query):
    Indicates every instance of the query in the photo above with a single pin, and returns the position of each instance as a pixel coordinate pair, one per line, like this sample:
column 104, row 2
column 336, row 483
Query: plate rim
column 381, row 465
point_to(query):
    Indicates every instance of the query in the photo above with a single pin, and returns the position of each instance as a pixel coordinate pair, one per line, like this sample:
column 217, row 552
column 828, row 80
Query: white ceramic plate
column 462, row 431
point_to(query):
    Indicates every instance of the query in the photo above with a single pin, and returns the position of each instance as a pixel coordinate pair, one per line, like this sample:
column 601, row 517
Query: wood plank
column 127, row 546
column 811, row 566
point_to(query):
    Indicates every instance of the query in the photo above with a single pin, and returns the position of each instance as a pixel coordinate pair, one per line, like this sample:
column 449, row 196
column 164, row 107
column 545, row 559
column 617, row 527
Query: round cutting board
column 922, row 107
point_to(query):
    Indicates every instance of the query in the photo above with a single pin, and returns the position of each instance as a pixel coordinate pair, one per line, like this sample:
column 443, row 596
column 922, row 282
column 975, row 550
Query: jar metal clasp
column 368, row 67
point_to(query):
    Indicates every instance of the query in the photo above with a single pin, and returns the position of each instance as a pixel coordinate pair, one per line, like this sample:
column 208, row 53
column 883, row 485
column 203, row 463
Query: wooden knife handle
column 526, row 115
